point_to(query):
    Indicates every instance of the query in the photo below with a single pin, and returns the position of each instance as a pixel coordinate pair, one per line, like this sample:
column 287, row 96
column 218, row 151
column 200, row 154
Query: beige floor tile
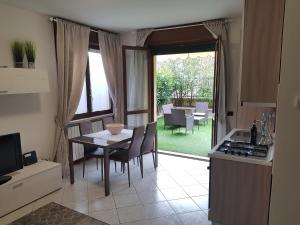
column 109, row 216
column 169, row 220
column 184, row 205
column 192, row 218
column 102, row 204
column 195, row 190
column 201, row 201
column 173, row 193
column 131, row 214
column 126, row 200
column 151, row 197
column 156, row 210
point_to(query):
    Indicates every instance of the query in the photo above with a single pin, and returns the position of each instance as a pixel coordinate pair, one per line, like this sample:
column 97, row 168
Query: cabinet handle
column 17, row 185
column 2, row 92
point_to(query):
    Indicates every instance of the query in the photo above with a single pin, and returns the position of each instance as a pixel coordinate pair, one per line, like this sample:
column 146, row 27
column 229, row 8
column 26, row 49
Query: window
column 95, row 98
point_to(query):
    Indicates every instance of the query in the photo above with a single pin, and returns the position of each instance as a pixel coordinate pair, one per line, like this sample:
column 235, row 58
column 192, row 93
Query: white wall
column 30, row 114
column 285, row 196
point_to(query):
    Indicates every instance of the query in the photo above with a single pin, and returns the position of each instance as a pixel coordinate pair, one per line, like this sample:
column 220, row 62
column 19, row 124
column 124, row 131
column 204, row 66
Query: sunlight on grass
column 198, row 143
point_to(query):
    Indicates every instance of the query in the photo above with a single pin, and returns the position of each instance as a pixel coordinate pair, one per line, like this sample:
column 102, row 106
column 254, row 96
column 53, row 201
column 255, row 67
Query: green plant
column 29, row 51
column 17, row 48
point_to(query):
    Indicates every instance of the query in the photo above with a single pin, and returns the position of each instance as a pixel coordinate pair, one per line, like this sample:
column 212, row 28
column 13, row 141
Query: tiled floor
column 177, row 193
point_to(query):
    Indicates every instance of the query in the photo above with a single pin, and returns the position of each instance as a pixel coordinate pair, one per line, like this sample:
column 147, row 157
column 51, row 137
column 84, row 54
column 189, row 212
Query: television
column 10, row 153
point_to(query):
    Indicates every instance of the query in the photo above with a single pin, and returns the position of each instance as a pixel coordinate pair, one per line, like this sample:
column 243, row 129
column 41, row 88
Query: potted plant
column 30, row 53
column 17, row 48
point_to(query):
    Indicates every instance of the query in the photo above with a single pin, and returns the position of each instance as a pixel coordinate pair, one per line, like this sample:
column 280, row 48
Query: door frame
column 188, row 47
column 150, row 84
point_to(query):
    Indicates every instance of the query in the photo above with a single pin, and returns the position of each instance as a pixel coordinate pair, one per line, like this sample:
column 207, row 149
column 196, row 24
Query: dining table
column 107, row 141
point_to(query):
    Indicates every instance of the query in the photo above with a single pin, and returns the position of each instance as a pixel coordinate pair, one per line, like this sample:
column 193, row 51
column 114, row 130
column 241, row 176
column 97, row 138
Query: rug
column 55, row 214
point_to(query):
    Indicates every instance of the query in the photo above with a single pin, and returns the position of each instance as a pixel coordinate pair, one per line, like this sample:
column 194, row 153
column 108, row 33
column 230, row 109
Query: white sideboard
column 29, row 184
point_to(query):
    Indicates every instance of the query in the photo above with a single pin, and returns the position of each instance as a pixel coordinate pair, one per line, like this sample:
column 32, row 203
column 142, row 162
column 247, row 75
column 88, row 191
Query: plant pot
column 31, row 65
column 18, row 64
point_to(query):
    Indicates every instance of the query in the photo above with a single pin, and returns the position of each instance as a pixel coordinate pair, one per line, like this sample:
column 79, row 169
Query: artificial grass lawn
column 198, row 143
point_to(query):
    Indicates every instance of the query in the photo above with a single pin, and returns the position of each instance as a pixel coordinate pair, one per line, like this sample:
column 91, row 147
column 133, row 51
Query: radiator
column 73, row 131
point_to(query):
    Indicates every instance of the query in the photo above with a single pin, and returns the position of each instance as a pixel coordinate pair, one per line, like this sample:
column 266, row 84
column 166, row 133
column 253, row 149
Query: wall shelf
column 23, row 81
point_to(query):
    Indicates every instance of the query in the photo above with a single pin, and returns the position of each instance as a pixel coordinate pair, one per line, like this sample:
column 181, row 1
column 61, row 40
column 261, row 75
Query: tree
column 164, row 88
column 190, row 77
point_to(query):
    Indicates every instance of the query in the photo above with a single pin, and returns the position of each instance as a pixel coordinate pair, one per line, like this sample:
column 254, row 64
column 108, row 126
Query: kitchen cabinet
column 239, row 192
column 261, row 51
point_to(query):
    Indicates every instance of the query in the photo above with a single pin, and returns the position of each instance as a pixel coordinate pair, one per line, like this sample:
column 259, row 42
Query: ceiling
column 125, row 15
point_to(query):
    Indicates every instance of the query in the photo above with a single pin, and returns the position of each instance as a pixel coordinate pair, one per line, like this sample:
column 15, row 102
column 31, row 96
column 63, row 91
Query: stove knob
column 225, row 151
column 232, row 152
column 239, row 153
column 246, row 154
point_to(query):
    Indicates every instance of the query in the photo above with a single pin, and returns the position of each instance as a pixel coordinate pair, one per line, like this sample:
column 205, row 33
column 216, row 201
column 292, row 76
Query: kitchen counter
column 267, row 161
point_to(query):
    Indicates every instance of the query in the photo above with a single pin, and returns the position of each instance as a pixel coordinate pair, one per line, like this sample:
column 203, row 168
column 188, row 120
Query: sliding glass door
column 138, row 86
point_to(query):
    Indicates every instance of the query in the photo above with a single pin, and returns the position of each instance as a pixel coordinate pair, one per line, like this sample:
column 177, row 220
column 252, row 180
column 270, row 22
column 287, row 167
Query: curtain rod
column 93, row 29
column 186, row 25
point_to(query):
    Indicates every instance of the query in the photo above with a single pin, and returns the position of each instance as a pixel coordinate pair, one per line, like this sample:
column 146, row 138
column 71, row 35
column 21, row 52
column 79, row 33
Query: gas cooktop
column 243, row 149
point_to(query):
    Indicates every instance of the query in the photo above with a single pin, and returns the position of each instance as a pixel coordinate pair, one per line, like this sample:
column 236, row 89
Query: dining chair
column 148, row 145
column 90, row 151
column 107, row 120
column 124, row 155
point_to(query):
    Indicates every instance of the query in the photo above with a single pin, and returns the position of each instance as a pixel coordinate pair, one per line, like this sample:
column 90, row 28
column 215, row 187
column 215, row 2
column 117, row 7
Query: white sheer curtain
column 137, row 84
column 218, row 28
column 71, row 51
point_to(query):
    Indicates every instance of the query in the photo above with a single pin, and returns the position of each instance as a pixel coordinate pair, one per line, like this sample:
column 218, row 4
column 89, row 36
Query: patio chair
column 202, row 111
column 180, row 119
column 167, row 114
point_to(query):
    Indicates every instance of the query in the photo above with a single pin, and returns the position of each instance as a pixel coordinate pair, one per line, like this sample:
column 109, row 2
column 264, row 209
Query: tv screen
column 10, row 153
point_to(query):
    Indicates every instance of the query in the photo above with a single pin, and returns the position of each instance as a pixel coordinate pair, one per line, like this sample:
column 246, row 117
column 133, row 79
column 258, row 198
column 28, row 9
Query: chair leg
column 153, row 157
column 142, row 166
column 133, row 161
column 115, row 166
column 97, row 162
column 185, row 131
column 101, row 161
column 128, row 173
column 138, row 160
column 83, row 164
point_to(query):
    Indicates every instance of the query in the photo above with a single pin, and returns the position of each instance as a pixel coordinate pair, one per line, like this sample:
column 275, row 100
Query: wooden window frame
column 90, row 113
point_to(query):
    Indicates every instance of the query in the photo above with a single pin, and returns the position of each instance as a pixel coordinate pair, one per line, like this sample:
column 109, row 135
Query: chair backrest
column 136, row 142
column 178, row 117
column 202, row 107
column 167, row 108
column 107, row 120
column 149, row 137
column 85, row 128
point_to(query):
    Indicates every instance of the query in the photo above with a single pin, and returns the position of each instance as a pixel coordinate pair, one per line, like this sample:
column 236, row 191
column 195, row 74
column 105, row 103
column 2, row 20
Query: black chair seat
column 120, row 155
column 98, row 153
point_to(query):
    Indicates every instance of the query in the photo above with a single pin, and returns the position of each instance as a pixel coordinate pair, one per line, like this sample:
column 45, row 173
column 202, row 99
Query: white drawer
column 20, row 193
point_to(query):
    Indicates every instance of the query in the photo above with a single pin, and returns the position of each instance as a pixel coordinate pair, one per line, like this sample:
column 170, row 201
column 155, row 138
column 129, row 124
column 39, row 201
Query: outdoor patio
column 198, row 143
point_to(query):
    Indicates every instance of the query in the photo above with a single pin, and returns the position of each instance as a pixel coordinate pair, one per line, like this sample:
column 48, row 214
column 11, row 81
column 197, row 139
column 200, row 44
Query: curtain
column 71, row 51
column 218, row 29
column 141, row 36
column 110, row 49
column 137, row 85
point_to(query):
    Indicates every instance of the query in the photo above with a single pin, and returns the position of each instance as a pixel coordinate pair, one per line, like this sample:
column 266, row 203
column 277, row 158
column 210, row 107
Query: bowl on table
column 115, row 128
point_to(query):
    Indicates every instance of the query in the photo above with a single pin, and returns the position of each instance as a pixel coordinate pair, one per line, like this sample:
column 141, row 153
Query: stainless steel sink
column 241, row 136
